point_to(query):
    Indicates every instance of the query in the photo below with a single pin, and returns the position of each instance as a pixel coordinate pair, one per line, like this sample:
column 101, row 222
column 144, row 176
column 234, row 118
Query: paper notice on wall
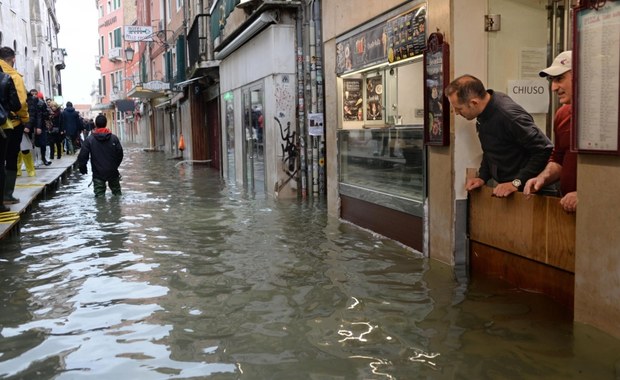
column 532, row 60
column 533, row 94
column 315, row 124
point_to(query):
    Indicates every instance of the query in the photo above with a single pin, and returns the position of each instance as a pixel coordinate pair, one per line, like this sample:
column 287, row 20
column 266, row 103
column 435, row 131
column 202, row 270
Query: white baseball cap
column 561, row 64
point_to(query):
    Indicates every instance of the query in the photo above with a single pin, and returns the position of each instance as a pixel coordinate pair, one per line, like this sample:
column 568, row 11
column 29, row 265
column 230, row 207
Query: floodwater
column 184, row 277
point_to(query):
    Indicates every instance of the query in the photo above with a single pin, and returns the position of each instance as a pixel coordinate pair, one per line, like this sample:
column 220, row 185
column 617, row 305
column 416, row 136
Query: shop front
column 381, row 151
column 258, row 87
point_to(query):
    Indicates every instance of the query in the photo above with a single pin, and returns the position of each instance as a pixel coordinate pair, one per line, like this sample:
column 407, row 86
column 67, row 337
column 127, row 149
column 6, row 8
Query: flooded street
column 184, row 277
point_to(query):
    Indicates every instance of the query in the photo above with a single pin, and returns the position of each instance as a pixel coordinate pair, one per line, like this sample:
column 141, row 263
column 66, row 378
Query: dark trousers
column 43, row 149
column 12, row 149
column 100, row 188
column 56, row 142
column 3, row 147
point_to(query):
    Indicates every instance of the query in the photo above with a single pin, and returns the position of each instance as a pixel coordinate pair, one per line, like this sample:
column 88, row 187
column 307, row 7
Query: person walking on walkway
column 9, row 100
column 56, row 134
column 40, row 135
column 72, row 125
column 26, row 153
column 18, row 120
column 106, row 154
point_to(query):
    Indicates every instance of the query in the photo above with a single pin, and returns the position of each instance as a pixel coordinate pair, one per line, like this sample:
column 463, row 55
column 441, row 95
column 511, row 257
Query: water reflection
column 184, row 277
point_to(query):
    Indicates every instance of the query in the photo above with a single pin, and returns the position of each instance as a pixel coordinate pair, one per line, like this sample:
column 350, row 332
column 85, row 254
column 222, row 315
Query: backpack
column 9, row 99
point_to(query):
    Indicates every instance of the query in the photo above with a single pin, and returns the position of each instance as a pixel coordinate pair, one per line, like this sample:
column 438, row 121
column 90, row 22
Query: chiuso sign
column 138, row 33
column 533, row 94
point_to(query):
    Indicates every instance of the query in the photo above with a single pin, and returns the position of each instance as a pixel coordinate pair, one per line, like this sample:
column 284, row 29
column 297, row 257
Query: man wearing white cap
column 562, row 164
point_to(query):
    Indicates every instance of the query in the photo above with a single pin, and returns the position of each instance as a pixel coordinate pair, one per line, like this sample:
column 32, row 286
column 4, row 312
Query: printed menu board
column 596, row 62
column 406, row 34
column 401, row 37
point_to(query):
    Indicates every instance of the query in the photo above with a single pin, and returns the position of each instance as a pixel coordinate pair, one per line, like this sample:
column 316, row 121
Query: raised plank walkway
column 30, row 189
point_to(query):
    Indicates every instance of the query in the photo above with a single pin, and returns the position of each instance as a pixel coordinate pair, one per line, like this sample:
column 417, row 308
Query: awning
column 125, row 105
column 102, row 107
column 178, row 97
column 186, row 82
column 141, row 92
column 162, row 105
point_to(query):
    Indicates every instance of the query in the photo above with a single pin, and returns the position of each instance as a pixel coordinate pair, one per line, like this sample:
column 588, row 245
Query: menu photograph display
column 436, row 107
column 352, row 99
column 374, row 95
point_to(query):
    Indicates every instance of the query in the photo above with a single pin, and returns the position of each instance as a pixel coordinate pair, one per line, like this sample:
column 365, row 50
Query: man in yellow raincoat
column 18, row 121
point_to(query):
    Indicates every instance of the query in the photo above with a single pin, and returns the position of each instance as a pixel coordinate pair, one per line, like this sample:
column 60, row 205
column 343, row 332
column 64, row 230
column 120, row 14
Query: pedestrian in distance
column 562, row 164
column 40, row 133
column 9, row 102
column 105, row 152
column 514, row 149
column 56, row 134
column 71, row 123
column 19, row 119
column 26, row 152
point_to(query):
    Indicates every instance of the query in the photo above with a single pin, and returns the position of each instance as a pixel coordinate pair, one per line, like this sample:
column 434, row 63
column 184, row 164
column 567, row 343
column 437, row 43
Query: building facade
column 31, row 29
column 296, row 99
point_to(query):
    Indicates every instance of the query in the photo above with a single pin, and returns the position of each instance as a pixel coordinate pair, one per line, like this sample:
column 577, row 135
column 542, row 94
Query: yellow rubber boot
column 29, row 162
column 19, row 164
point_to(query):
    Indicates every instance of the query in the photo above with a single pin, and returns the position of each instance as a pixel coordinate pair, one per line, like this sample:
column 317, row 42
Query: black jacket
column 513, row 146
column 8, row 93
column 105, row 152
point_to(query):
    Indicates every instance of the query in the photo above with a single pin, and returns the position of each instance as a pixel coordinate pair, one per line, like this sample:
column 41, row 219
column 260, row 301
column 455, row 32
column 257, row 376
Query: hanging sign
column 436, row 105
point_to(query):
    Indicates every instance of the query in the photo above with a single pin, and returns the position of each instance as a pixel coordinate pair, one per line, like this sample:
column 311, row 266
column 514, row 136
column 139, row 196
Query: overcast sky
column 79, row 36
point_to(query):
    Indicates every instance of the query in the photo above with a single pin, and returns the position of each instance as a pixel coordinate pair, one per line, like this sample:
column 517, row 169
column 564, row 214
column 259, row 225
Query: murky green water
column 186, row 278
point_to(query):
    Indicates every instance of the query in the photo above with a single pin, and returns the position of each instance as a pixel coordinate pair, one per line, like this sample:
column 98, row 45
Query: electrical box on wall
column 492, row 23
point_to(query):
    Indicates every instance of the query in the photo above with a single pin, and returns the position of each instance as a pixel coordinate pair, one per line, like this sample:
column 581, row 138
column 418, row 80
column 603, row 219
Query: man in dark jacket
column 514, row 149
column 106, row 154
column 71, row 123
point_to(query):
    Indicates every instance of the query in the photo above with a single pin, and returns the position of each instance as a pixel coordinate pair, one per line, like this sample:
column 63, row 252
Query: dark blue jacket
column 70, row 121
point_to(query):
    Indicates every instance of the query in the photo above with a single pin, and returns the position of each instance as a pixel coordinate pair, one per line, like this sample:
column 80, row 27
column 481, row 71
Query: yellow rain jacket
column 22, row 114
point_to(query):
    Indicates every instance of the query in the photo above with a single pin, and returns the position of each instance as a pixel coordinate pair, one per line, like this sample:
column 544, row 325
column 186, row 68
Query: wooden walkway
column 30, row 189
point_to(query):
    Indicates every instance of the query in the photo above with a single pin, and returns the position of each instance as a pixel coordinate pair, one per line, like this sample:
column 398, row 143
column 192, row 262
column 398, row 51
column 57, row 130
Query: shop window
column 381, row 137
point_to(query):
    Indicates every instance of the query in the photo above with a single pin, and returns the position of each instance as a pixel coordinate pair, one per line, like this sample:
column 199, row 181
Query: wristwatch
column 516, row 183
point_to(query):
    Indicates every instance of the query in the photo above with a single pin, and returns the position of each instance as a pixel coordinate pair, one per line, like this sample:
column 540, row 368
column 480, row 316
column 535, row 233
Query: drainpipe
column 314, row 140
column 319, row 91
column 301, row 125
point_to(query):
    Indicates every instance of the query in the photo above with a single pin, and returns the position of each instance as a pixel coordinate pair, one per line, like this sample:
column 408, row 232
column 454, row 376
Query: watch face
column 516, row 183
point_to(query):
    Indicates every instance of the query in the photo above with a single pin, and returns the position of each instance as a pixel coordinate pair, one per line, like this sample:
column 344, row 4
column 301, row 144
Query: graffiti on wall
column 289, row 150
column 284, row 96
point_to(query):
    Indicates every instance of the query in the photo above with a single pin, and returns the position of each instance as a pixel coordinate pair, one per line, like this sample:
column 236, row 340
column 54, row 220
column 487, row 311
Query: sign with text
column 531, row 94
column 136, row 33
column 315, row 124
column 156, row 85
column 596, row 79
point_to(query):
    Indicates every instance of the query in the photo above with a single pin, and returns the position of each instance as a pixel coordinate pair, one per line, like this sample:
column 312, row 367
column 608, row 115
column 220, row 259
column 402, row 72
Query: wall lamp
column 129, row 53
column 259, row 24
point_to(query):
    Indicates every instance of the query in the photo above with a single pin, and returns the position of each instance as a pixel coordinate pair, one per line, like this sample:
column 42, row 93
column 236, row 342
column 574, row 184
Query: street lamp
column 129, row 52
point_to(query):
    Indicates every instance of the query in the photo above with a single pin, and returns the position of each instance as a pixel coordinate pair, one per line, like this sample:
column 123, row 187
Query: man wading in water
column 106, row 154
